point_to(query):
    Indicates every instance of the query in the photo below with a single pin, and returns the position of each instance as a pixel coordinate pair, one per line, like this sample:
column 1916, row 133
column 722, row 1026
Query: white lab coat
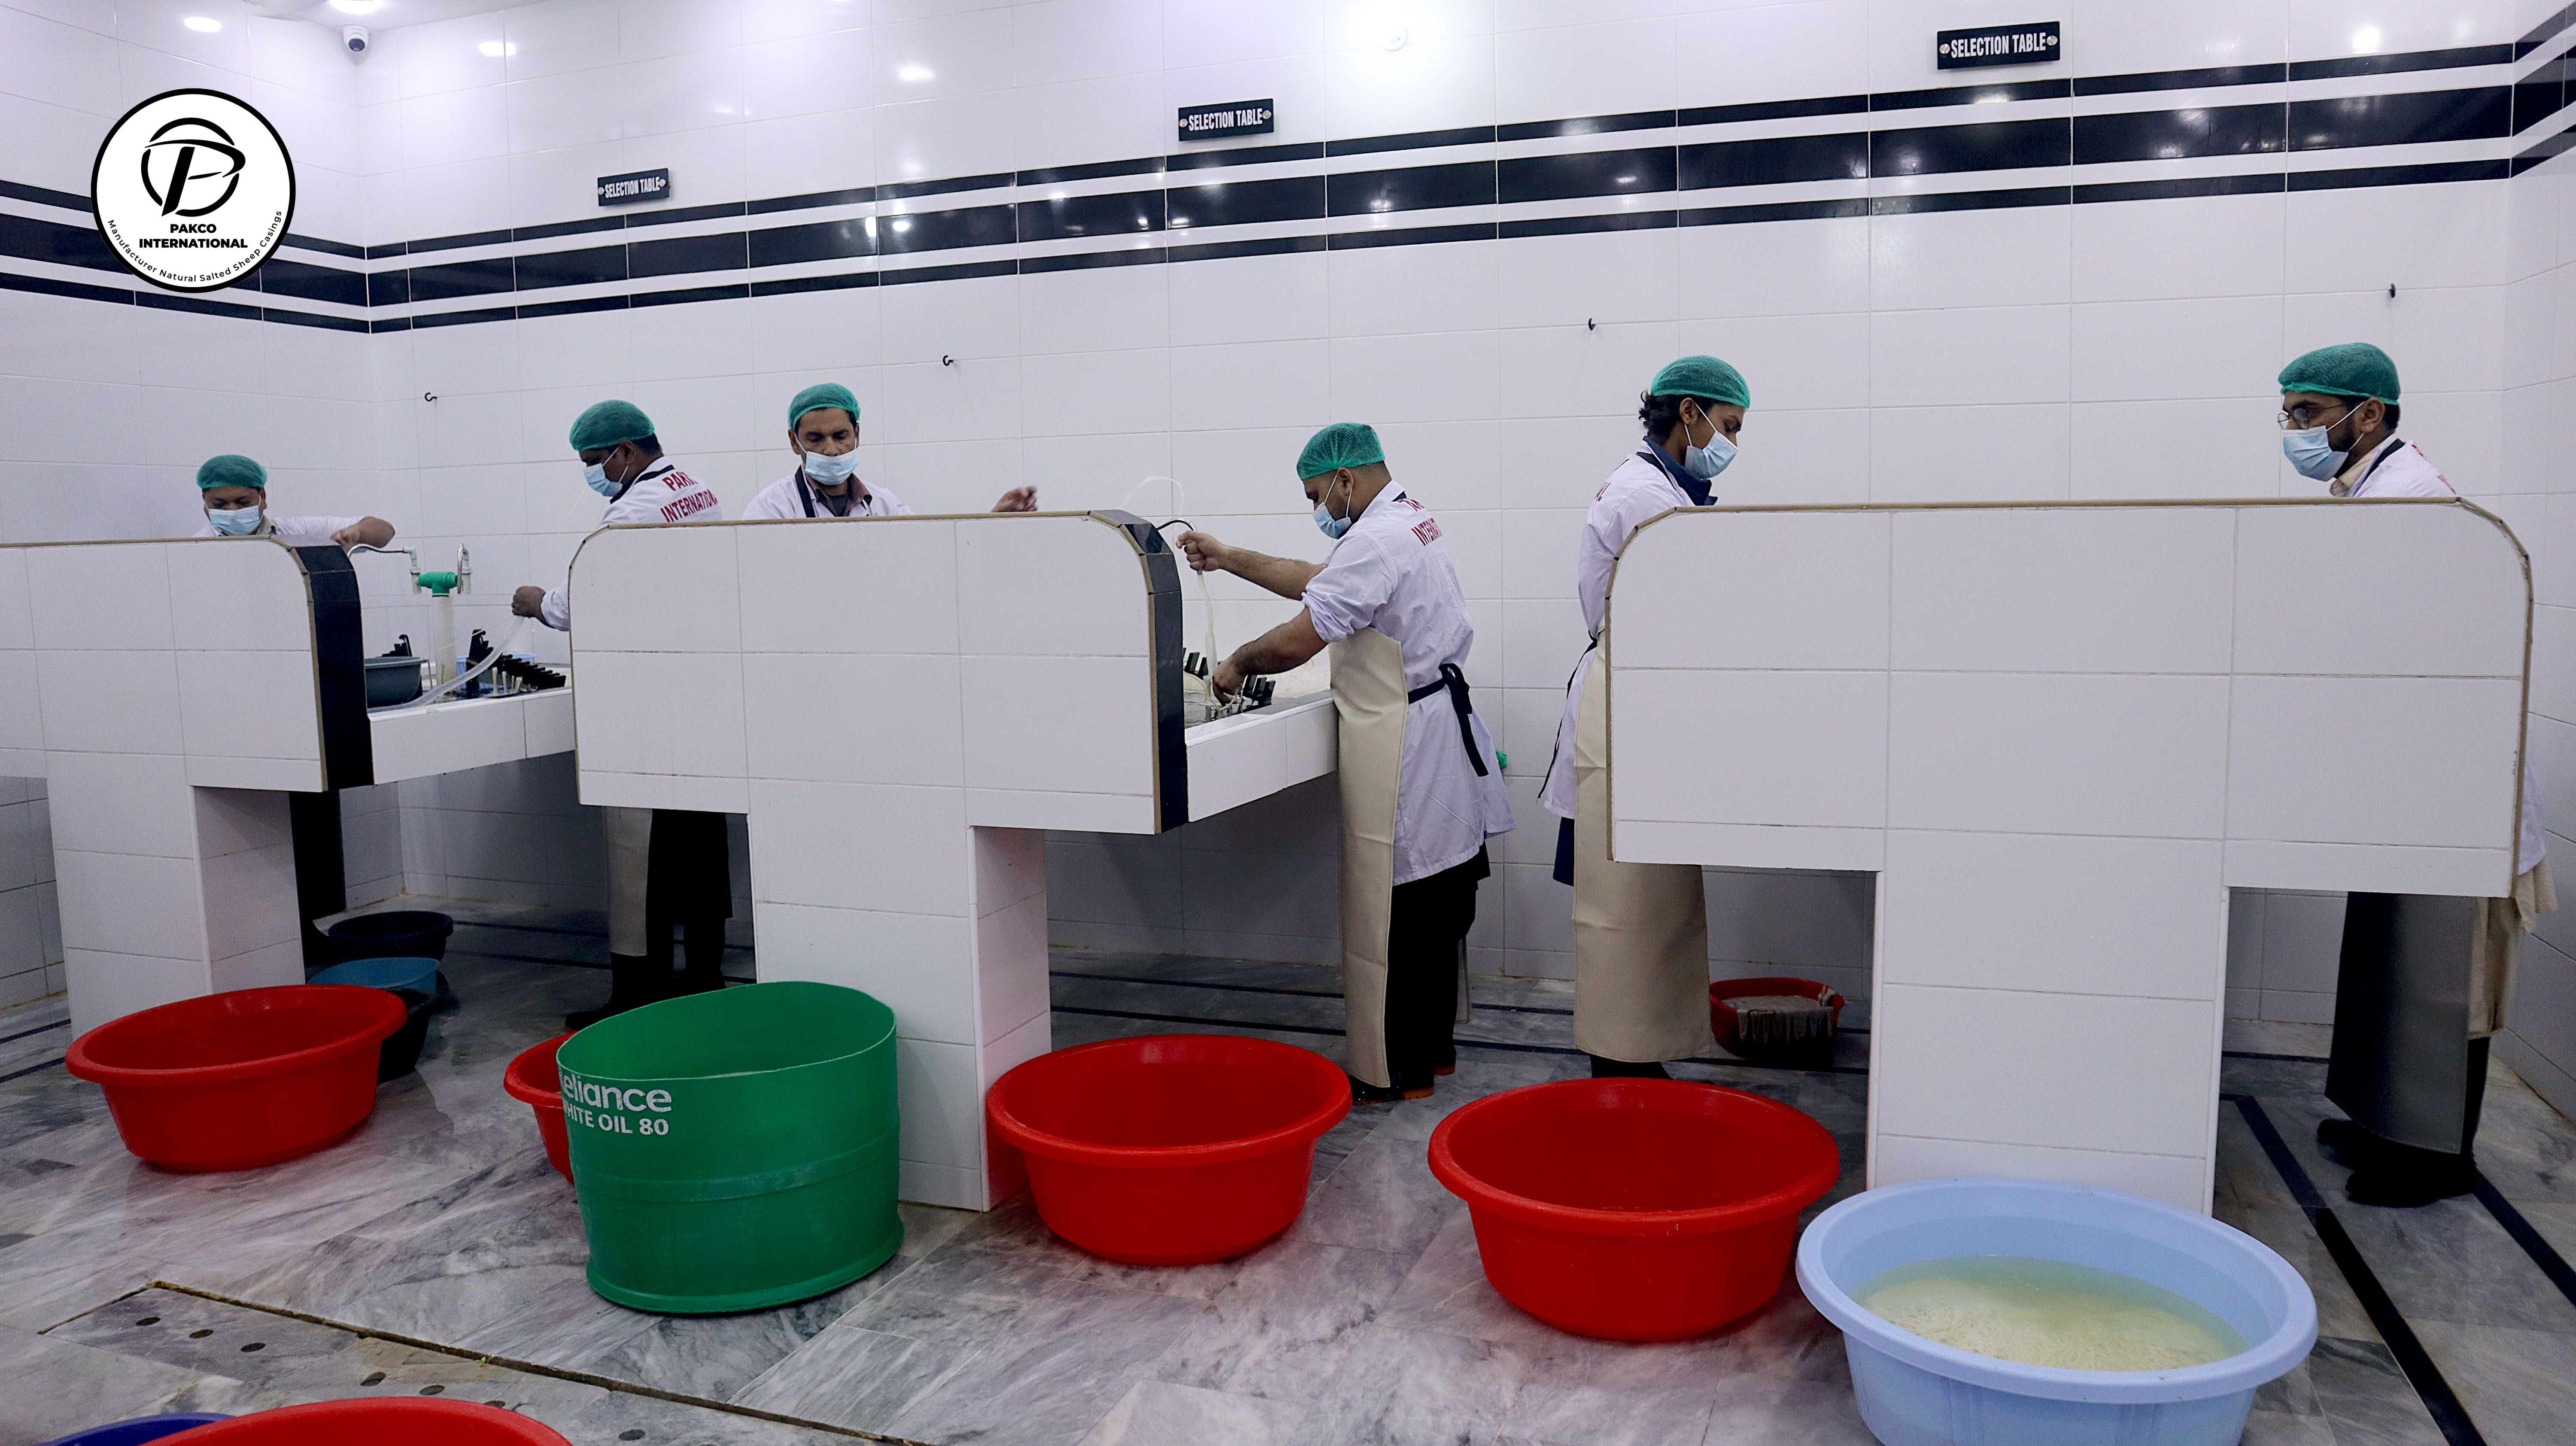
column 1391, row 572
column 663, row 493
column 295, row 531
column 2396, row 468
column 781, row 499
column 1637, row 490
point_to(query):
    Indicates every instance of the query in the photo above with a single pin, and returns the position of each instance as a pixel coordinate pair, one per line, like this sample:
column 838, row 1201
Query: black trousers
column 1426, row 939
column 2402, row 1063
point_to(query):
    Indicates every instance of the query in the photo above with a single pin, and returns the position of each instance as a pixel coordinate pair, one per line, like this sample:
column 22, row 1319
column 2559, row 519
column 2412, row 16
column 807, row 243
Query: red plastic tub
column 388, row 1421
column 1724, row 1023
column 229, row 1081
column 1634, row 1209
column 531, row 1079
column 1170, row 1149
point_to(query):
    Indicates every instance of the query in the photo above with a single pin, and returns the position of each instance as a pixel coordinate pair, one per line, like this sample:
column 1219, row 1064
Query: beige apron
column 1640, row 930
column 630, row 855
column 2501, row 925
column 1368, row 694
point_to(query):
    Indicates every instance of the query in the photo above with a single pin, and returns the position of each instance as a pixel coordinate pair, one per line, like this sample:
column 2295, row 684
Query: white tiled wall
column 2095, row 351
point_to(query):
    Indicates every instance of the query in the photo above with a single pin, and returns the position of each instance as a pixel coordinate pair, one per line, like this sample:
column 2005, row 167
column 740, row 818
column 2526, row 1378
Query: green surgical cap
column 605, row 424
column 1701, row 376
column 1343, row 444
column 822, row 394
column 231, row 470
column 2352, row 369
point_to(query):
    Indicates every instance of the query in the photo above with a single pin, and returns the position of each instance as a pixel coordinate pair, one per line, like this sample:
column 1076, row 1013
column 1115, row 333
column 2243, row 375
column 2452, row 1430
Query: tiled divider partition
column 903, row 707
column 2028, row 348
column 2060, row 736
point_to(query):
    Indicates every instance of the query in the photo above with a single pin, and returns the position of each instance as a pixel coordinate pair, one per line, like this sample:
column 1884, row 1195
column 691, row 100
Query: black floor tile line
column 2533, row 1243
column 1463, row 1043
column 570, row 963
column 2440, row 1402
column 32, row 1033
column 32, row 1069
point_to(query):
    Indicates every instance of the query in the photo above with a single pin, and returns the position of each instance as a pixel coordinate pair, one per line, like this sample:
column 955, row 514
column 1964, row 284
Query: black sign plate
column 1234, row 118
column 635, row 187
column 2032, row 44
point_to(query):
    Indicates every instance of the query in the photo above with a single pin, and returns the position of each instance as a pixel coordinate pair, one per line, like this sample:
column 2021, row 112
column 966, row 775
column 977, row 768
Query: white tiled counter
column 171, row 694
column 2060, row 734
column 903, row 706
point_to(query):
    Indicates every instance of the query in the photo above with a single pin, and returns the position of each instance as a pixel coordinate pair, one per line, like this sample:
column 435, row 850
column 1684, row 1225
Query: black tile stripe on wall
column 1174, row 200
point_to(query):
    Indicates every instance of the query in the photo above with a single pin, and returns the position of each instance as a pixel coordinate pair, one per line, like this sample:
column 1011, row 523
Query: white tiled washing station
column 169, row 693
column 2060, row 734
column 903, row 706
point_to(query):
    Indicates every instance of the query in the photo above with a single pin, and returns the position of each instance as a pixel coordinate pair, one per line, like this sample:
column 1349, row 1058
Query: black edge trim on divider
column 582, row 227
column 1761, row 110
column 1577, row 225
column 339, row 667
column 47, row 196
column 811, row 200
column 945, row 185
column 1097, row 170
column 739, row 291
column 963, row 271
column 678, row 214
column 313, row 319
column 1971, row 95
column 2533, row 1243
column 464, row 318
column 77, row 290
column 2270, row 183
column 2208, row 77
column 1412, row 141
column 2352, row 65
column 2432, row 174
column 327, row 248
column 1415, row 236
column 796, row 284
column 1163, row 621
column 543, row 309
column 163, row 301
column 1087, row 260
column 1230, row 250
column 1243, row 156
column 1588, row 125
column 321, row 869
column 1971, row 200
column 1776, row 211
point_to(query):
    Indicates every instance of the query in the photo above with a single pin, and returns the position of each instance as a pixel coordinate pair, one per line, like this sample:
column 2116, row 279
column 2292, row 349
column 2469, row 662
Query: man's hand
column 1205, row 553
column 366, row 531
column 1226, row 681
column 528, row 602
column 1018, row 499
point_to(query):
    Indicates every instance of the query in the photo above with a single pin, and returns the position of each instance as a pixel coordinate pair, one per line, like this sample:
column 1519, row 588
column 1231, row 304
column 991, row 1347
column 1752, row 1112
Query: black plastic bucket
column 395, row 934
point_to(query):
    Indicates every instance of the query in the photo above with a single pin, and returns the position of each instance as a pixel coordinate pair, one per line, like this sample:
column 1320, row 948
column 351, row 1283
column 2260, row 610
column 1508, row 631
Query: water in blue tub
column 2049, row 1313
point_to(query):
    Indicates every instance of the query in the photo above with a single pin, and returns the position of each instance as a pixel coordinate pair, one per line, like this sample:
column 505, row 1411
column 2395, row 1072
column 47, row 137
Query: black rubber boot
column 632, row 982
column 704, row 946
column 2351, row 1142
column 1605, row 1068
column 2410, row 1177
column 1364, row 1093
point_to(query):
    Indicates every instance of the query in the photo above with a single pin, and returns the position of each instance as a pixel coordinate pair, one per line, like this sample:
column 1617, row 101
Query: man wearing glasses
column 2424, row 980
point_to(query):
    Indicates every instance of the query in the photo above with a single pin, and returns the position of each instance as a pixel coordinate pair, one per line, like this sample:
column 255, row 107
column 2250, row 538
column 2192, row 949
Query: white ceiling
column 390, row 15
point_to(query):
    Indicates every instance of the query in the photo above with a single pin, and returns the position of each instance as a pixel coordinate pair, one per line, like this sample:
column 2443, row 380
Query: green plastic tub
column 734, row 1150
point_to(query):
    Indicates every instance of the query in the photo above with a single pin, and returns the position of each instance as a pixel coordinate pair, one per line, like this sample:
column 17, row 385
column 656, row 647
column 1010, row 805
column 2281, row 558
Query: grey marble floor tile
column 1769, row 1411
column 49, row 1278
column 2272, row 1428
column 959, row 1297
column 1383, row 1198
column 2286, row 1231
column 1619, row 1395
column 861, row 1379
column 2246, row 1177
column 716, row 1356
column 2294, row 1394
column 1415, row 1388
column 2451, row 1261
column 2366, row 1397
column 380, row 1368
column 1277, row 1329
column 1059, row 1368
column 2514, row 1383
column 1478, row 1076
column 2524, row 1146
column 1445, row 1292
column 1224, row 1006
column 623, row 1418
column 58, row 1387
column 2301, row 1078
column 1157, row 1413
column 208, row 1336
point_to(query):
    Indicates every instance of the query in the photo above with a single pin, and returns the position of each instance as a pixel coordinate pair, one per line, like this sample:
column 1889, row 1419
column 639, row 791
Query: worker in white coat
column 667, row 868
column 233, row 489
column 1640, row 930
column 2424, row 981
column 823, row 432
column 1421, row 787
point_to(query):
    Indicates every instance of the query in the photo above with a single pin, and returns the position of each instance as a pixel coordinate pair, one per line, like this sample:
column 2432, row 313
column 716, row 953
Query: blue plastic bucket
column 422, row 990
column 420, row 976
column 1914, row 1391
column 139, row 1430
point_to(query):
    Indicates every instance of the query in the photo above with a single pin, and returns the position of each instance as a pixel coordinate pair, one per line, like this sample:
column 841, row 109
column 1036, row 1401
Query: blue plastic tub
column 420, row 976
column 140, row 1429
column 1917, row 1392
column 423, row 991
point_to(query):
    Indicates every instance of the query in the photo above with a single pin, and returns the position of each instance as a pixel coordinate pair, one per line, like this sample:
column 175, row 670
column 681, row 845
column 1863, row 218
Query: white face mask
column 234, row 522
column 825, row 469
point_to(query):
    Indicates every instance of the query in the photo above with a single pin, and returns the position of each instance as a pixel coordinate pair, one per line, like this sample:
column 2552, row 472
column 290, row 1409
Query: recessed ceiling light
column 497, row 48
column 202, row 25
column 357, row 7
column 914, row 74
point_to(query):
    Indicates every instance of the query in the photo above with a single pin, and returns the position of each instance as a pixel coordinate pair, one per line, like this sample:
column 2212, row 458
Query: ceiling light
column 2365, row 41
column 357, row 7
column 202, row 25
column 913, row 74
column 497, row 48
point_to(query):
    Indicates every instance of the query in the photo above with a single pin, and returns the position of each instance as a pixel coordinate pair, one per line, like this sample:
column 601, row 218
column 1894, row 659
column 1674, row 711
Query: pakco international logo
column 192, row 190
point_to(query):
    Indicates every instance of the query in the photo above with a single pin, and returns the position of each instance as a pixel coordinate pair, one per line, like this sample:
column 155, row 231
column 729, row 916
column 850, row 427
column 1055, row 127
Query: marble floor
column 433, row 1252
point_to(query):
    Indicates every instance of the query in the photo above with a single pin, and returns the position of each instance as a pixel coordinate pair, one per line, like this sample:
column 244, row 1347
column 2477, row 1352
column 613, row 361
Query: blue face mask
column 1326, row 522
column 235, row 522
column 2310, row 454
column 596, row 474
column 1706, row 462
